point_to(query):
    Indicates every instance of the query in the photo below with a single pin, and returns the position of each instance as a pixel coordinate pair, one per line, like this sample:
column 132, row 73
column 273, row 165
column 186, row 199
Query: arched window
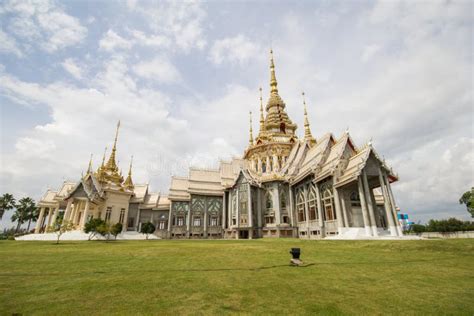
column 328, row 205
column 269, row 214
column 355, row 200
column 283, row 201
column 300, row 207
column 312, row 203
column 264, row 167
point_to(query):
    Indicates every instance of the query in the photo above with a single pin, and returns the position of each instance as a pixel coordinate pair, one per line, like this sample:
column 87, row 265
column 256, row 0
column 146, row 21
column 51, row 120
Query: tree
column 32, row 215
column 468, row 199
column 59, row 227
column 417, row 228
column 23, row 210
column 116, row 229
column 147, row 229
column 104, row 230
column 7, row 202
column 92, row 227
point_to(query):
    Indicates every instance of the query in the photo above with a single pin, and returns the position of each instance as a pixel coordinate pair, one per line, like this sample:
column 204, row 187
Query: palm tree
column 7, row 202
column 24, row 208
column 33, row 214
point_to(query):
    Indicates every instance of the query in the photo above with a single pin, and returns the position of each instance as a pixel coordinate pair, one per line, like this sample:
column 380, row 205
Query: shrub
column 116, row 229
column 147, row 229
column 91, row 227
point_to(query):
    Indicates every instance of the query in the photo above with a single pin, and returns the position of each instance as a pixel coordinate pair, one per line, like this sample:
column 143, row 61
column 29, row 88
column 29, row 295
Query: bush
column 449, row 225
column 92, row 226
column 147, row 229
column 116, row 229
column 417, row 228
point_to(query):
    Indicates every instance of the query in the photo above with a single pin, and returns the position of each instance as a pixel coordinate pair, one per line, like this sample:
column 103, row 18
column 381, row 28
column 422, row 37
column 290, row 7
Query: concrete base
column 80, row 235
column 359, row 233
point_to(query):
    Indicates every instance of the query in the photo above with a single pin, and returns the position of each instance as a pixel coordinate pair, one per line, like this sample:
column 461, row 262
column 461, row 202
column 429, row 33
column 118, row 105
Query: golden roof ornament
column 307, row 131
column 128, row 184
column 262, row 118
column 89, row 168
column 251, row 131
column 111, row 165
column 273, row 81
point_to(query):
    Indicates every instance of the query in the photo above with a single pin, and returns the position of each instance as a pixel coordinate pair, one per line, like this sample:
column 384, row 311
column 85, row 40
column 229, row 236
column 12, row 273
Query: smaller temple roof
column 49, row 198
column 140, row 191
column 163, row 203
column 179, row 188
column 151, row 201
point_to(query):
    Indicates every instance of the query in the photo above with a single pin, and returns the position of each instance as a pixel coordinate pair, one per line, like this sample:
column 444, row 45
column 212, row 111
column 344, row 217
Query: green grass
column 246, row 277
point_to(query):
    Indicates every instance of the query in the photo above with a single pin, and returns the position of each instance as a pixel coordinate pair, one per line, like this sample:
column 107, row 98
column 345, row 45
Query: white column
column 275, row 163
column 138, row 217
column 344, row 210
column 292, row 215
column 230, row 210
column 259, row 211
column 55, row 215
column 337, row 202
column 205, row 222
column 224, row 208
column 50, row 215
column 188, row 224
column 84, row 215
column 39, row 221
column 75, row 219
column 388, row 211
column 250, row 211
column 363, row 204
column 170, row 218
column 306, row 209
column 125, row 221
column 320, row 210
column 67, row 212
column 394, row 208
column 369, row 204
column 276, row 204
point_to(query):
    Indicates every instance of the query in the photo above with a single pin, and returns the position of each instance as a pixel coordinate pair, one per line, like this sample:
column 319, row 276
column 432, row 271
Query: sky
column 183, row 76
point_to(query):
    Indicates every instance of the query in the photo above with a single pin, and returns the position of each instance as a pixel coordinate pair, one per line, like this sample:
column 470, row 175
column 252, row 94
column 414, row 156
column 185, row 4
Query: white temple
column 282, row 186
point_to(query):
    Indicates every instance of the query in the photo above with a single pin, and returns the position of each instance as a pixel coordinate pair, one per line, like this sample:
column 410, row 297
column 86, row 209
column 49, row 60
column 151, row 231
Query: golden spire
column 307, row 132
column 262, row 118
column 89, row 168
column 128, row 182
column 273, row 81
column 111, row 165
column 251, row 132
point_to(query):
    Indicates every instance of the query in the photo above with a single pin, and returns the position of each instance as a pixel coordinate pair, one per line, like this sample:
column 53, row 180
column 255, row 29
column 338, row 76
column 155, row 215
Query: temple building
column 282, row 186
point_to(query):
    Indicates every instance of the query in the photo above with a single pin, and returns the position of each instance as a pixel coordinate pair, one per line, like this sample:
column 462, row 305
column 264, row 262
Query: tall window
column 269, row 215
column 312, row 203
column 122, row 216
column 283, row 201
column 197, row 221
column 264, row 167
column 300, row 206
column 180, row 221
column 214, row 221
column 328, row 205
column 161, row 224
column 108, row 214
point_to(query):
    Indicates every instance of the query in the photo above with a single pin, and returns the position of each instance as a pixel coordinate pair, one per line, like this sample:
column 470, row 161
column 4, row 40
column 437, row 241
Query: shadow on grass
column 225, row 269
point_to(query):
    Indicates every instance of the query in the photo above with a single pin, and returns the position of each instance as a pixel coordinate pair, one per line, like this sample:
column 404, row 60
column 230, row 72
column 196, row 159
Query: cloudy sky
column 182, row 77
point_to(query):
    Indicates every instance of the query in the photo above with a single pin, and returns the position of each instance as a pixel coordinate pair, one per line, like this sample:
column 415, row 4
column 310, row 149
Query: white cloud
column 112, row 41
column 369, row 52
column 9, row 44
column 142, row 39
column 159, row 69
column 181, row 22
column 238, row 49
column 43, row 23
column 71, row 67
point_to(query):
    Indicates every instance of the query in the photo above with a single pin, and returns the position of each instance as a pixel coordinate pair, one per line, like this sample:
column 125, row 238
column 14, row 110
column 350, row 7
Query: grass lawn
column 246, row 276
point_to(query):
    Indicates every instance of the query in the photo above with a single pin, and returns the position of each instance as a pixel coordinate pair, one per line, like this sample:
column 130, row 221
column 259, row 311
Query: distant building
column 283, row 186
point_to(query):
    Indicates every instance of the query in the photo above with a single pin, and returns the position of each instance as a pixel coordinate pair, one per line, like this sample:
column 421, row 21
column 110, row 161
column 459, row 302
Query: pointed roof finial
column 111, row 165
column 128, row 182
column 262, row 118
column 273, row 81
column 89, row 168
column 251, row 132
column 307, row 131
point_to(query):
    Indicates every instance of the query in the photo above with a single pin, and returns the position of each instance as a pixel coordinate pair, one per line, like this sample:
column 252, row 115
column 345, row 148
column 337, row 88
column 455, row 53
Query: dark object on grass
column 295, row 261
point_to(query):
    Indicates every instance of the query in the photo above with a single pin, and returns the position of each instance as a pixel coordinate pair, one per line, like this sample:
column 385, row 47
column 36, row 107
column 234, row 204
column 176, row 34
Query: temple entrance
column 243, row 234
